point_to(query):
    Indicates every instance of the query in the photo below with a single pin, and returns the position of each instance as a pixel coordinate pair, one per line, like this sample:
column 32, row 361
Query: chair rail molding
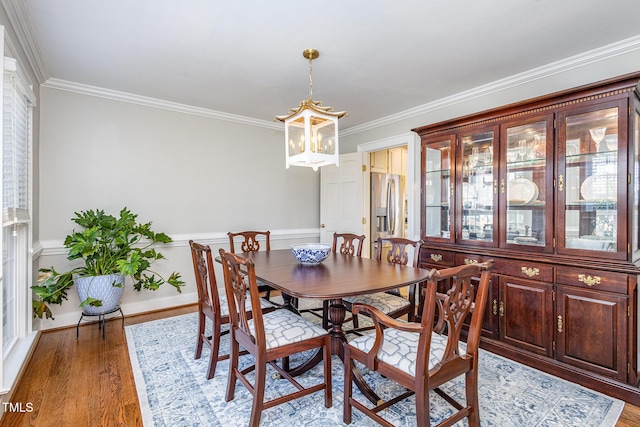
column 218, row 238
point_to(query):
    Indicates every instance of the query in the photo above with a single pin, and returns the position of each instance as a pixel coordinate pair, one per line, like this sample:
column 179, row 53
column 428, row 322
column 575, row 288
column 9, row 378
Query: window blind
column 15, row 156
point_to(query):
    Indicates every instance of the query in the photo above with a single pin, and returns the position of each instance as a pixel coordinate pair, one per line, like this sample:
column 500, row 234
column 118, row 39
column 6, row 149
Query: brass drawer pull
column 561, row 183
column 528, row 271
column 589, row 280
column 559, row 323
column 501, row 308
column 468, row 261
column 495, row 307
column 436, row 257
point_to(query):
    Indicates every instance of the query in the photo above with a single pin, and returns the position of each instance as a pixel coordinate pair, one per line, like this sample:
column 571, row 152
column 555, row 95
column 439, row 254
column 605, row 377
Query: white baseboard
column 128, row 308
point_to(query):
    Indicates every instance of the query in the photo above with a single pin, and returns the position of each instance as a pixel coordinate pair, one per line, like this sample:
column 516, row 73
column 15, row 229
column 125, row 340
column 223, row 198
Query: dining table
column 337, row 277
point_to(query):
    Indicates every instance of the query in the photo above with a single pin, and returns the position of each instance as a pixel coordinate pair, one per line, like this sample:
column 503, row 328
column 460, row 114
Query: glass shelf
column 525, row 184
column 438, row 188
column 589, row 181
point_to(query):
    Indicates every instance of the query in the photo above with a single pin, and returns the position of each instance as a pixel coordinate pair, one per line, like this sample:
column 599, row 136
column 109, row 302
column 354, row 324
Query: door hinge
column 364, row 168
column 628, row 248
column 554, row 242
column 555, row 123
column 553, row 296
column 364, row 220
column 628, row 311
column 553, row 346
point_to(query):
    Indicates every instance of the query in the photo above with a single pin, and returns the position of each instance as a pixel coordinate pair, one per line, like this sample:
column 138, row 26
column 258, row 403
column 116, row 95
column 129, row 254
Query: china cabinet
column 549, row 189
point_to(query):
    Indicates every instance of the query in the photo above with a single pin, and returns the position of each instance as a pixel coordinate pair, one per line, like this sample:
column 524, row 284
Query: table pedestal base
column 337, row 314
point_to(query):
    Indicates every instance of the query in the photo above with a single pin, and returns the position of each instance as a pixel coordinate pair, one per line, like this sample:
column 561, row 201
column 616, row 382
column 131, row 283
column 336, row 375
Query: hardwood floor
column 89, row 382
column 84, row 382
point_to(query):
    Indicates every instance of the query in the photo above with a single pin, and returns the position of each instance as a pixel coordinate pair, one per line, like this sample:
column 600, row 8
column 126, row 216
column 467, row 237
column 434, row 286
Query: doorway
column 388, row 197
column 407, row 145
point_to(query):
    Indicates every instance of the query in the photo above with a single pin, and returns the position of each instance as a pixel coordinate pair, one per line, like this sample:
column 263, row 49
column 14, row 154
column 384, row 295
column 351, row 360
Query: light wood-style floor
column 89, row 382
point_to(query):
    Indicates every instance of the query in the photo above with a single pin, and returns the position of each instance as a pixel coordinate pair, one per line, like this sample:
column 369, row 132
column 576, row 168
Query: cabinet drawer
column 592, row 279
column 436, row 258
column 524, row 269
column 462, row 259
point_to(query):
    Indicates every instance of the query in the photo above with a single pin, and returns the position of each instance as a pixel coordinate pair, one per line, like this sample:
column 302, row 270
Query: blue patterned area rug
column 173, row 390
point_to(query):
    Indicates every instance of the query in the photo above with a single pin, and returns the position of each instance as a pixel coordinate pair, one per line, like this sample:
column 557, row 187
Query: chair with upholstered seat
column 211, row 305
column 269, row 337
column 250, row 242
column 420, row 357
column 394, row 250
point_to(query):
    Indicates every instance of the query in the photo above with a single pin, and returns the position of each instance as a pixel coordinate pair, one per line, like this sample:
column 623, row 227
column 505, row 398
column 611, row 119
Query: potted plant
column 109, row 246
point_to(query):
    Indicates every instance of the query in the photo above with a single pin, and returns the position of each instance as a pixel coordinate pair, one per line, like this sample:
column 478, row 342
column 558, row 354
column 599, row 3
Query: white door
column 341, row 198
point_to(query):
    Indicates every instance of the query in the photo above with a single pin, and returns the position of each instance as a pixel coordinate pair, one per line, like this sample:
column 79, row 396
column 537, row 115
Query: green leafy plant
column 107, row 245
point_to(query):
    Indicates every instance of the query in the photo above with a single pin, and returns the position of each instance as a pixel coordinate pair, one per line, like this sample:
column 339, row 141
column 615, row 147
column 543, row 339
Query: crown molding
column 622, row 47
column 21, row 22
column 115, row 95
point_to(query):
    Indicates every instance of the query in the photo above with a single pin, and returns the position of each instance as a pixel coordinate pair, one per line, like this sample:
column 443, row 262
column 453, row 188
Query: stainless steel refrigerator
column 388, row 207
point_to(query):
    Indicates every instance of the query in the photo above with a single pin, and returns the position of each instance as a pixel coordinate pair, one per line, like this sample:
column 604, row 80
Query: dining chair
column 395, row 250
column 350, row 245
column 211, row 305
column 268, row 337
column 421, row 357
column 250, row 242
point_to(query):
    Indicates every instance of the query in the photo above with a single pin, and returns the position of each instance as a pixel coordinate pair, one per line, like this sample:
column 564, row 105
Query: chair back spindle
column 351, row 244
column 240, row 286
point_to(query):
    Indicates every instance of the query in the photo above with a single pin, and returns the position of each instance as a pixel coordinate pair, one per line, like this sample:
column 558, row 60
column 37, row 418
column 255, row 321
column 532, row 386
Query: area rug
column 173, row 390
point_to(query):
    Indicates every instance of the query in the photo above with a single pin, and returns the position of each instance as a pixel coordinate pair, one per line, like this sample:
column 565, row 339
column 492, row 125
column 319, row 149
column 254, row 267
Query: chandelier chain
column 310, row 78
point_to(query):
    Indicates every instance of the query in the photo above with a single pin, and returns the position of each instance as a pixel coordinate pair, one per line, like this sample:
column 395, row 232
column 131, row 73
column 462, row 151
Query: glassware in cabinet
column 591, row 180
column 438, row 188
column 524, row 183
column 479, row 187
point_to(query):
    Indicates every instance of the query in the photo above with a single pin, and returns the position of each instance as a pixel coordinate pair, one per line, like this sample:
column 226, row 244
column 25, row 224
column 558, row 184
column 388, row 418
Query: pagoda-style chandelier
column 311, row 130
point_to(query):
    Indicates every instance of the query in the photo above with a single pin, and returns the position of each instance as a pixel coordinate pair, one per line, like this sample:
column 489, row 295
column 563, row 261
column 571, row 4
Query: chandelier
column 311, row 130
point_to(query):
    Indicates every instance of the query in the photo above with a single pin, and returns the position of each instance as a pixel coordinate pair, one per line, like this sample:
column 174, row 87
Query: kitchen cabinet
column 397, row 159
column 393, row 160
column 378, row 161
column 548, row 189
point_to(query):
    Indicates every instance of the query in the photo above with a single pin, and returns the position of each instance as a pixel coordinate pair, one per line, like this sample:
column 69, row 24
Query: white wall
column 193, row 176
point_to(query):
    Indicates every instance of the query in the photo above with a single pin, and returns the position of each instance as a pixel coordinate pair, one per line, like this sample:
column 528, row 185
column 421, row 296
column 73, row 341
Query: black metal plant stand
column 101, row 319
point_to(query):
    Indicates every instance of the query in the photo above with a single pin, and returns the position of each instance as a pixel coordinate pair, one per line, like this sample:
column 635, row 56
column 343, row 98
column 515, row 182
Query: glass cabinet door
column 635, row 153
column 592, row 181
column 526, row 184
column 437, row 158
column 479, row 188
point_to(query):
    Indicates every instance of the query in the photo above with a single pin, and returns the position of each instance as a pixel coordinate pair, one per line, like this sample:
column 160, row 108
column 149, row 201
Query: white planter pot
column 102, row 288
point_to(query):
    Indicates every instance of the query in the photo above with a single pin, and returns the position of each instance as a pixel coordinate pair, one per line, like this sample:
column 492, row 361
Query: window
column 15, row 277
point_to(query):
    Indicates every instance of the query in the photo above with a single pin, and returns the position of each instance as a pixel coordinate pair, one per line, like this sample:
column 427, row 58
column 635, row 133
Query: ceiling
column 377, row 57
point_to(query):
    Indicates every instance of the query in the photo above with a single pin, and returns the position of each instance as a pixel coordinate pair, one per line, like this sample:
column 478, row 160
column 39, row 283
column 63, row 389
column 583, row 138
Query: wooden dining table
column 337, row 277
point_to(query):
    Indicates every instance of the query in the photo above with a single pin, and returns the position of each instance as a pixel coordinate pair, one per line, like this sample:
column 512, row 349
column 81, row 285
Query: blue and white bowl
column 310, row 253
